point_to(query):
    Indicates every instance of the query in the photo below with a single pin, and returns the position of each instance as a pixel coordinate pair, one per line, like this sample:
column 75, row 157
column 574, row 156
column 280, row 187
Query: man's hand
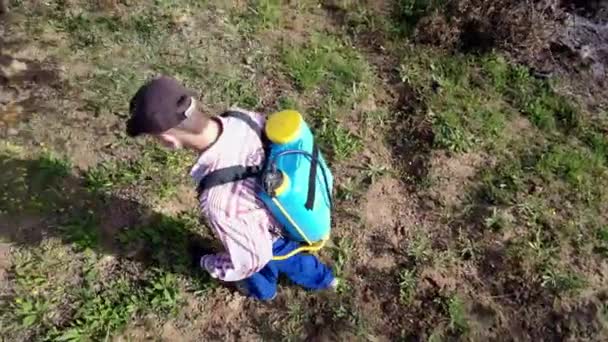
column 196, row 250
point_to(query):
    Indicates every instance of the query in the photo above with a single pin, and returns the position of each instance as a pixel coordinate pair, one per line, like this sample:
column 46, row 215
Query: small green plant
column 374, row 171
column 101, row 313
column 497, row 220
column 458, row 317
column 340, row 141
column 420, row 249
column 30, row 311
column 467, row 249
column 163, row 292
column 83, row 232
column 562, row 282
column 347, row 190
column 293, row 327
column 341, row 252
column 407, row 285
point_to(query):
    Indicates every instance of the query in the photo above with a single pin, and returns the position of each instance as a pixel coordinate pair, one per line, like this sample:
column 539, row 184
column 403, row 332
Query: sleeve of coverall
column 248, row 246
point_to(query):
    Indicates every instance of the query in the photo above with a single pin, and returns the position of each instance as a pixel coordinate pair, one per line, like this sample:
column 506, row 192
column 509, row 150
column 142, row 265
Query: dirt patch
column 451, row 175
column 5, row 262
column 183, row 200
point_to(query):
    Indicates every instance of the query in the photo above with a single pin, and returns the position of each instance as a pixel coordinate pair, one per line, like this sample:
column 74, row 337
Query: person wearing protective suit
column 165, row 110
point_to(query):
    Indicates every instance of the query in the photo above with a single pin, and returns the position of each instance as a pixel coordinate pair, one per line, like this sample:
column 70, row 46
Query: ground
column 470, row 201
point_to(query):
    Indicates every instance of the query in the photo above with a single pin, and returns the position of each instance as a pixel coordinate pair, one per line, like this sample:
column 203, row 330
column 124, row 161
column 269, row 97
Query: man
column 167, row 111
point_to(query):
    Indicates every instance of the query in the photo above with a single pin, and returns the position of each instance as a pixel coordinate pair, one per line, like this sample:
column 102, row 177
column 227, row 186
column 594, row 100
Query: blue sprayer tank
column 291, row 150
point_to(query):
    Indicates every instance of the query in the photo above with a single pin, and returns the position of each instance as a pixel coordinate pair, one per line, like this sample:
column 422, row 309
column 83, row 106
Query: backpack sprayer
column 291, row 186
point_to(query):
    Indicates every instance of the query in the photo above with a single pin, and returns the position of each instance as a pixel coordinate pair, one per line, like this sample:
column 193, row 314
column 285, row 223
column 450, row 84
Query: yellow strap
column 312, row 247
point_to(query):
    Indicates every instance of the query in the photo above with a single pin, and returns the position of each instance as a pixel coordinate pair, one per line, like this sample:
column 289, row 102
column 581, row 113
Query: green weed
column 535, row 98
column 101, row 312
column 407, row 285
column 341, row 255
column 82, row 232
column 237, row 91
column 340, row 142
column 360, row 19
column 347, row 190
column 163, row 292
column 562, row 281
column 458, row 317
column 420, row 249
column 497, row 220
column 464, row 111
column 374, row 171
column 94, row 31
column 30, row 311
column 292, row 329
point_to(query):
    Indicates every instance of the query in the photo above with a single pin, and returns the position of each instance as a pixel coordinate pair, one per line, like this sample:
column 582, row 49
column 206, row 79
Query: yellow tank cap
column 284, row 185
column 283, row 127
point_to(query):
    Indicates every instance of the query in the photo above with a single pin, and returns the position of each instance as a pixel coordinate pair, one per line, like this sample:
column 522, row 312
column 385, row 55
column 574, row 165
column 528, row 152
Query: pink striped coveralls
column 239, row 219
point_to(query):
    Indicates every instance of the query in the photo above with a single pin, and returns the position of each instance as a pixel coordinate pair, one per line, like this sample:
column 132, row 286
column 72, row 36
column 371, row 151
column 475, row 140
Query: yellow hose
column 312, row 247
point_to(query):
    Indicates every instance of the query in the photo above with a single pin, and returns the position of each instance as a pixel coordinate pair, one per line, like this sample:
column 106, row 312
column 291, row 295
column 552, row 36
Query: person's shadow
column 41, row 198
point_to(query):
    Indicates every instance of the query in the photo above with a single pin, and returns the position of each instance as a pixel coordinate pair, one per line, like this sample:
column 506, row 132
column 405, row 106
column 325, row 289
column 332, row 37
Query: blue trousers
column 303, row 269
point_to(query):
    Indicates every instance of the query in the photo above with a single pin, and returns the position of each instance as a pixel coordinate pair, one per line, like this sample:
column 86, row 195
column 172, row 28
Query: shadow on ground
column 42, row 198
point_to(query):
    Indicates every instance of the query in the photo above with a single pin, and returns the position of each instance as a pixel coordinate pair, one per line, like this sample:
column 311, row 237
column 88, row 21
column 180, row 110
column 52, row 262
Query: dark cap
column 158, row 106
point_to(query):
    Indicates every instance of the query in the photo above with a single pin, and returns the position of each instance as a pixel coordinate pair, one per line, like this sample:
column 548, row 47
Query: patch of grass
column 101, row 313
column 465, row 112
column 497, row 221
column 167, row 240
column 156, row 170
column 536, row 99
column 32, row 186
column 601, row 244
column 330, row 64
column 62, row 296
column 577, row 166
column 261, row 15
column 95, row 30
column 237, row 91
column 407, row 13
column 338, row 141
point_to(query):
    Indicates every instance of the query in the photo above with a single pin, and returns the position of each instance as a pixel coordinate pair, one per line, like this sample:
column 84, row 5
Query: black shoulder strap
column 237, row 172
column 227, row 175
